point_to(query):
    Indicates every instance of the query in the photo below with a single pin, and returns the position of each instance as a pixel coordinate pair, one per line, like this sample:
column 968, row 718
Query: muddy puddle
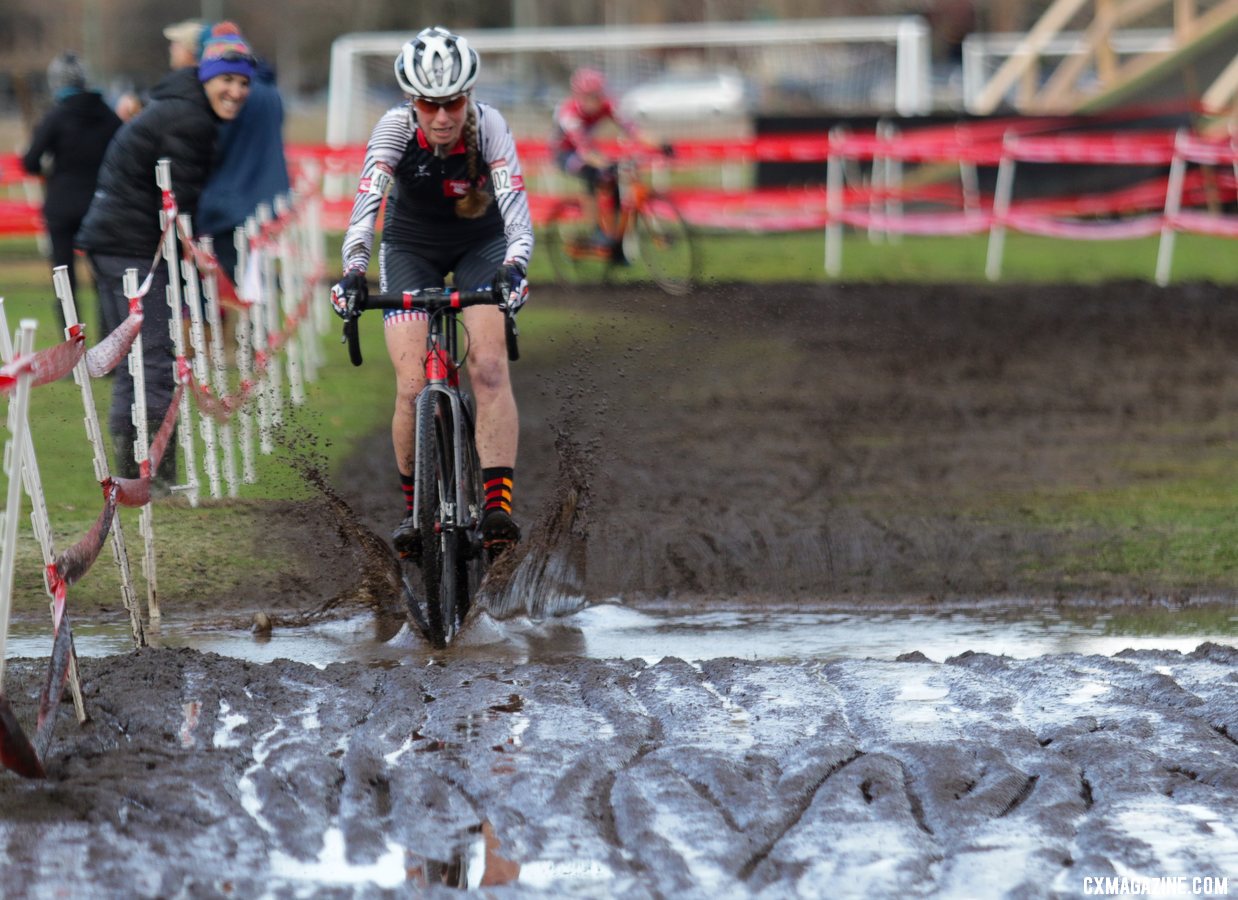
column 614, row 631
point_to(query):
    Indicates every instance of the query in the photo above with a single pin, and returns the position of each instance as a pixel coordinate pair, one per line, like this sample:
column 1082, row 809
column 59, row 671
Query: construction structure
column 1195, row 62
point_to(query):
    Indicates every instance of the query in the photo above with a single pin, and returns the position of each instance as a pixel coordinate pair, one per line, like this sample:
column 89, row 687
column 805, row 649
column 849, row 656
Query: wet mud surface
column 782, row 442
column 982, row 776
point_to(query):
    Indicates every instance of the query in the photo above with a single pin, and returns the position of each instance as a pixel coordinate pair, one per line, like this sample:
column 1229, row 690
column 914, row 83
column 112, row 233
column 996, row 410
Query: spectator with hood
column 67, row 148
column 121, row 230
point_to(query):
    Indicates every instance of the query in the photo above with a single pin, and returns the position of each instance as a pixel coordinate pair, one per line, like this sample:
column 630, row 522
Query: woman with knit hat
column 121, row 230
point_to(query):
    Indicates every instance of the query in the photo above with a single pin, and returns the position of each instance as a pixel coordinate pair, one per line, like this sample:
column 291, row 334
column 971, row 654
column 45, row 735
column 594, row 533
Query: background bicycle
column 445, row 564
column 650, row 229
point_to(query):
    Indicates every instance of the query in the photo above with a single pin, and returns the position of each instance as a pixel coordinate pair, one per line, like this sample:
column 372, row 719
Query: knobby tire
column 435, row 483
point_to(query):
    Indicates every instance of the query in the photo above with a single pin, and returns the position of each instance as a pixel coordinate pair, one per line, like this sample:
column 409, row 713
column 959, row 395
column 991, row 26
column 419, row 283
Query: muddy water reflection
column 613, row 631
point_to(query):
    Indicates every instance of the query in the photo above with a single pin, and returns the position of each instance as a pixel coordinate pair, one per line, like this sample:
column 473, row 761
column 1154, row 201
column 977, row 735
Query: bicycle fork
column 455, row 514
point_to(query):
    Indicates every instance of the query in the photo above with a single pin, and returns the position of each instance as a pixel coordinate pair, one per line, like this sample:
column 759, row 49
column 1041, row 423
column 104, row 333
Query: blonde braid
column 474, row 203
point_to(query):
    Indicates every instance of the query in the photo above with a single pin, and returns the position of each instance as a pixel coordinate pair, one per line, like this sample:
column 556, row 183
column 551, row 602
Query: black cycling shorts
column 404, row 268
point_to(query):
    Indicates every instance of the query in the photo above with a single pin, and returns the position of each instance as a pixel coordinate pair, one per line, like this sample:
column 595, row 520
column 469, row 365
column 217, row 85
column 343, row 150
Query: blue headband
column 231, row 64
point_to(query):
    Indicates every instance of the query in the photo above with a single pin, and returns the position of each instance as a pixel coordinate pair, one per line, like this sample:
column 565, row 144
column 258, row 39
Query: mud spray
column 543, row 576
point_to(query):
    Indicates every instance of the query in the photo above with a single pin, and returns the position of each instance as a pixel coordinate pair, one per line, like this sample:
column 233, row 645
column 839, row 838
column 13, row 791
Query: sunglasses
column 428, row 107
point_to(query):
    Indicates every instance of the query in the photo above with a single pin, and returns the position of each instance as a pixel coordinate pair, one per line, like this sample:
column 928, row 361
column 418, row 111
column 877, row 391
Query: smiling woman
column 225, row 70
column 227, row 94
column 121, row 229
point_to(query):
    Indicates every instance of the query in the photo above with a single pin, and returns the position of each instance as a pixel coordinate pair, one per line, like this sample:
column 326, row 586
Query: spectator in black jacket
column 121, row 231
column 67, row 148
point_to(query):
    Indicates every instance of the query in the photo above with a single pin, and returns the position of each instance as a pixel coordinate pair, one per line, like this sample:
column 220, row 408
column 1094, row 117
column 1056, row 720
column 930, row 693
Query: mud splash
column 544, row 576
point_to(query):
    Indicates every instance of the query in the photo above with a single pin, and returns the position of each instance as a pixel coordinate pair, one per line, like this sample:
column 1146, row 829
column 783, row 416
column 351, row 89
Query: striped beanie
column 224, row 51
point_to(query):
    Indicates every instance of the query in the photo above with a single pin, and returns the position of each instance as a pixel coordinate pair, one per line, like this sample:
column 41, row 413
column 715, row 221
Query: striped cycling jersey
column 421, row 209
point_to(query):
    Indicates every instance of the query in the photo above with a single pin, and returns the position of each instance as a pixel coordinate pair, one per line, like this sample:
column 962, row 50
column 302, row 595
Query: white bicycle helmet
column 436, row 64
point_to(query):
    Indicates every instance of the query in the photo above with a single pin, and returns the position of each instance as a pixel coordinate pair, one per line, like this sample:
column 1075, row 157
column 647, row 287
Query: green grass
column 1027, row 258
column 1176, row 530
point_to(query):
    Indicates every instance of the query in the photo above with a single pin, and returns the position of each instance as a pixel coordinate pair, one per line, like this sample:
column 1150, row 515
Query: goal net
column 690, row 78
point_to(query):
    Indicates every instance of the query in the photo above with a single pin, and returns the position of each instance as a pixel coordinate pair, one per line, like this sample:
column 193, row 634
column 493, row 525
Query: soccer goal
column 848, row 65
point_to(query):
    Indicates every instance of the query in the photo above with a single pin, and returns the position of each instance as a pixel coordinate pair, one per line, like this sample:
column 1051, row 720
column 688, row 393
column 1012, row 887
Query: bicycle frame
column 633, row 193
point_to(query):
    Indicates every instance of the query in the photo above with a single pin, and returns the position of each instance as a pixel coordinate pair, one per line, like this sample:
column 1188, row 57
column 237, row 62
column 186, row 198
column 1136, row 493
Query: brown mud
column 807, row 442
column 802, row 444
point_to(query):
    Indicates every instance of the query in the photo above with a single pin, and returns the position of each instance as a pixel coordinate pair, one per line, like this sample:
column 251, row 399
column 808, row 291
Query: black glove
column 510, row 286
column 349, row 293
column 667, row 150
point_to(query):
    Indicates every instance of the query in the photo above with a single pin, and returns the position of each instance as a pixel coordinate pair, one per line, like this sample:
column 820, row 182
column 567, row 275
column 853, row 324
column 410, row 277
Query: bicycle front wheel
column 666, row 245
column 574, row 255
column 434, row 475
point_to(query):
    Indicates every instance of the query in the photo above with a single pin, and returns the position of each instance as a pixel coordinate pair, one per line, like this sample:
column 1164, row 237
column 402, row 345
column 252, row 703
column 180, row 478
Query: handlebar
column 430, row 301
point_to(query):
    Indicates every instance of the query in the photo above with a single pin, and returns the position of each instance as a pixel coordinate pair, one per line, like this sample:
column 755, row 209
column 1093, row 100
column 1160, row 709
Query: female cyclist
column 457, row 205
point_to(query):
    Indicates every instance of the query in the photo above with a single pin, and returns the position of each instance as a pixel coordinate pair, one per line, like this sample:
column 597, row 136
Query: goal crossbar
column 908, row 34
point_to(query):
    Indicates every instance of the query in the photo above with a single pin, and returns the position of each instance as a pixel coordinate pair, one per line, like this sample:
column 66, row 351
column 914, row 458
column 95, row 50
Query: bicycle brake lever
column 353, row 339
column 512, row 332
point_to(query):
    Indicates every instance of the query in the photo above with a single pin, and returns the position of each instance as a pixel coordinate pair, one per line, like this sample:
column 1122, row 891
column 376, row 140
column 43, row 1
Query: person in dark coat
column 122, row 231
column 68, row 147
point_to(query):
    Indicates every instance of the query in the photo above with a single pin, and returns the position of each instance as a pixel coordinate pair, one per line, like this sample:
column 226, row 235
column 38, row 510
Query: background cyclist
column 576, row 152
column 457, row 205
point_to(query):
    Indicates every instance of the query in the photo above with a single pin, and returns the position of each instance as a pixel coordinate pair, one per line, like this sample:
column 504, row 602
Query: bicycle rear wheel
column 434, row 474
column 569, row 243
column 666, row 245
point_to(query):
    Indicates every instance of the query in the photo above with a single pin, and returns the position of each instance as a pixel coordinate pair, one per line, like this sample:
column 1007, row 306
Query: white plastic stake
column 1002, row 193
column 258, row 335
column 38, row 514
column 834, row 206
column 197, row 340
column 94, row 434
column 171, row 252
column 1173, row 206
column 141, row 452
column 219, row 370
column 18, row 406
column 245, row 342
column 271, row 308
column 290, row 283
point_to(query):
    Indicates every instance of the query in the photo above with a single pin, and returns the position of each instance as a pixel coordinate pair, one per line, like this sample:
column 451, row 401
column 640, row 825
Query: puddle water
column 610, row 631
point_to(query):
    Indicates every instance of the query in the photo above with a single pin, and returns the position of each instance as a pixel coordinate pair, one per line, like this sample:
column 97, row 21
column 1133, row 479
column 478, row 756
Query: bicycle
column 448, row 495
column 650, row 229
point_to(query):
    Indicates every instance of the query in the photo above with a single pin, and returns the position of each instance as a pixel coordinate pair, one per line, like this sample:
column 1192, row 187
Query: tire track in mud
column 633, row 779
column 792, row 818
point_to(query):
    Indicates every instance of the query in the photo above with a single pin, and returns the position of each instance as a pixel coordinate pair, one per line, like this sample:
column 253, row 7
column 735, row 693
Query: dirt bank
column 821, row 441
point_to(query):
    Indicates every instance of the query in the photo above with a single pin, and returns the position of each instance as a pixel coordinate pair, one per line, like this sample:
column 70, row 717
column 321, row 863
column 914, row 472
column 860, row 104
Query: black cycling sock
column 406, row 486
column 498, row 481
